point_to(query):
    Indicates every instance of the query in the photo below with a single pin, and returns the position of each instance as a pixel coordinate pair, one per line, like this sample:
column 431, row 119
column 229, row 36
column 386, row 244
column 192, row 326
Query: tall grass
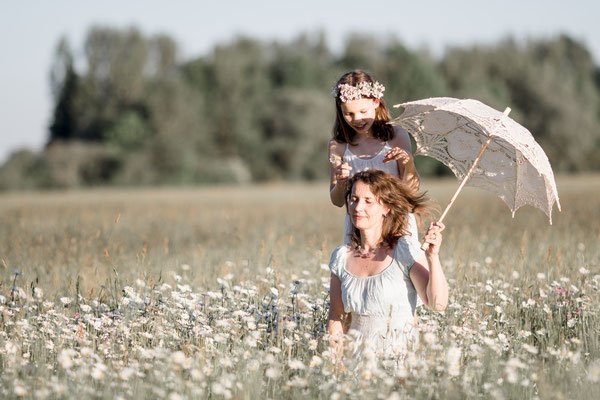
column 222, row 293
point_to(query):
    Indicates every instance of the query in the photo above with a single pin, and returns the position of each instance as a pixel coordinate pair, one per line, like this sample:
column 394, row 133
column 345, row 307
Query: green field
column 222, row 293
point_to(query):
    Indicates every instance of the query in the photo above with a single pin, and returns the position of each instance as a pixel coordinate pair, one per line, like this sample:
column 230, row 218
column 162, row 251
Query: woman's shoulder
column 338, row 259
column 340, row 251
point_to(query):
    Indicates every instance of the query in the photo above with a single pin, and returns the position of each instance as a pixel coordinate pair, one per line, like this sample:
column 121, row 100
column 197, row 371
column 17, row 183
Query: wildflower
column 541, row 276
column 38, row 293
column 85, row 308
column 584, row 271
column 530, row 349
column 253, row 365
column 20, row 390
column 453, row 360
column 273, row 373
column 296, row 364
column 66, row 300
column 593, row 374
column 98, row 371
column 297, row 381
column 315, row 361
column 429, row 338
column 179, row 359
column 126, row 373
column 65, row 358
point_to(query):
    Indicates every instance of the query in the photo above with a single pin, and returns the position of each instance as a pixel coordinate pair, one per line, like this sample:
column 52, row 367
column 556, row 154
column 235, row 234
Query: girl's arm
column 339, row 172
column 402, row 153
column 430, row 283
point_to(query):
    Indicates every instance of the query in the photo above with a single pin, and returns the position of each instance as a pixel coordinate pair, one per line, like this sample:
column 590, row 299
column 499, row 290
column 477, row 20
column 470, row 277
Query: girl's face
column 365, row 209
column 360, row 114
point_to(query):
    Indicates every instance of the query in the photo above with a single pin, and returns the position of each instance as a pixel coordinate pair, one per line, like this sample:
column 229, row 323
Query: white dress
column 362, row 164
column 382, row 306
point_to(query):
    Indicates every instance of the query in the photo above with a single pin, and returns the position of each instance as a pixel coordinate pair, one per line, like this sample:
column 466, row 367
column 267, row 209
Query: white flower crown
column 360, row 91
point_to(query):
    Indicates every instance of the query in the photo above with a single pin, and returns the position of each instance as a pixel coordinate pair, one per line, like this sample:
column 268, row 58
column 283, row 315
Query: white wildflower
column 430, row 338
column 66, row 358
column 315, row 361
column 20, row 390
column 66, row 300
column 530, row 349
column 298, row 382
column 593, row 374
column 126, row 373
column 38, row 293
column 273, row 373
column 253, row 365
column 453, row 355
column 296, row 364
column 584, row 271
column 85, row 308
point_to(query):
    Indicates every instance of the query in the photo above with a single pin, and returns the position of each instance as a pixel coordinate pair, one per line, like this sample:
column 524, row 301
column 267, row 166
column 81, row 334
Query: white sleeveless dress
column 362, row 164
column 382, row 306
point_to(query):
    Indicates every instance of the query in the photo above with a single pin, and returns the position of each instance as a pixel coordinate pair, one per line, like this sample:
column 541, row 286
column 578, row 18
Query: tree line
column 128, row 111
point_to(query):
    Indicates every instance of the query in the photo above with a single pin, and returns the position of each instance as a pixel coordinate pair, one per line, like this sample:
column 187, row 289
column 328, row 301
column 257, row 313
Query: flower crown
column 360, row 91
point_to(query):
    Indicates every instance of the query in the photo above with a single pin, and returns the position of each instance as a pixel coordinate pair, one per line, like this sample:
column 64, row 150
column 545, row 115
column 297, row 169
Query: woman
column 376, row 278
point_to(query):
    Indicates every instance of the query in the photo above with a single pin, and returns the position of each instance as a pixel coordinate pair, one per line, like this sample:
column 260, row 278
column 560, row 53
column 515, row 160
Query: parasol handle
column 424, row 246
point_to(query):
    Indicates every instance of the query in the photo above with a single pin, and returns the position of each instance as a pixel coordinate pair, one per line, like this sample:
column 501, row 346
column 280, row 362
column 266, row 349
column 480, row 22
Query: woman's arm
column 339, row 172
column 427, row 274
column 336, row 320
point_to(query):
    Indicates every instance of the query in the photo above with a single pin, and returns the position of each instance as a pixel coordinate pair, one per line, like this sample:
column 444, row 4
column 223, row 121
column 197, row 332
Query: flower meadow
column 222, row 294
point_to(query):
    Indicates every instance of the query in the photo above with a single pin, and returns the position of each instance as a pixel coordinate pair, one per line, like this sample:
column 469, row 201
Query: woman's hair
column 398, row 197
column 342, row 132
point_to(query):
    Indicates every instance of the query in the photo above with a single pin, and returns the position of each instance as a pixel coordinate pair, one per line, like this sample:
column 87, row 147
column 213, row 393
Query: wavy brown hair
column 342, row 132
column 398, row 197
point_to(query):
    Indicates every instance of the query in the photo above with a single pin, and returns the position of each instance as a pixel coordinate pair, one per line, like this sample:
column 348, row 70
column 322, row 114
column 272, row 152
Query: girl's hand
column 342, row 172
column 434, row 238
column 398, row 154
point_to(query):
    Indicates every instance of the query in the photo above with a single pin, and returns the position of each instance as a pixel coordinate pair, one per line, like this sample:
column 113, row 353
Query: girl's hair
column 398, row 197
column 342, row 132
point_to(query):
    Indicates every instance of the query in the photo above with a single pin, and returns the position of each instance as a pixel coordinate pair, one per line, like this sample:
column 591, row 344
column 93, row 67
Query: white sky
column 30, row 30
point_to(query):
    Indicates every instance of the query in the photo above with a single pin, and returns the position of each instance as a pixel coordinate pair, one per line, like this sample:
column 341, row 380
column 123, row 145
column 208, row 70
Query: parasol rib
column 424, row 246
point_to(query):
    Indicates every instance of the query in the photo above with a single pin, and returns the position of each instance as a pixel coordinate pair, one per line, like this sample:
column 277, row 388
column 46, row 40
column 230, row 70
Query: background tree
column 129, row 111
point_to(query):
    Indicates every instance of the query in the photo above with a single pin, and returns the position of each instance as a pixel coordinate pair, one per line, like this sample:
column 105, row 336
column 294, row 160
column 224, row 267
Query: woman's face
column 365, row 209
column 360, row 114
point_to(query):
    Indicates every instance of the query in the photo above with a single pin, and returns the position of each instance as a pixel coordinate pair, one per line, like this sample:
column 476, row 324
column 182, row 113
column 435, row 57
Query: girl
column 363, row 139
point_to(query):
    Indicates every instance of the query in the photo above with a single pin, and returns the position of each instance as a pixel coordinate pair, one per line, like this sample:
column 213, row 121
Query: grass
column 222, row 293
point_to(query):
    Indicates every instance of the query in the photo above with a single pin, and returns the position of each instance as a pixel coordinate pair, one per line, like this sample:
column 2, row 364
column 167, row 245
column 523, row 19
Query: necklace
column 360, row 251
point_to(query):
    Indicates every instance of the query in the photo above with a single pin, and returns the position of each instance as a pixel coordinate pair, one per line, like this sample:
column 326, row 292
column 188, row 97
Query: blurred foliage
column 128, row 111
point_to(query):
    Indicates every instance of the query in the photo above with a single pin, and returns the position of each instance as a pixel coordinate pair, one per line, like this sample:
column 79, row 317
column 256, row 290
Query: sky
column 30, row 30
